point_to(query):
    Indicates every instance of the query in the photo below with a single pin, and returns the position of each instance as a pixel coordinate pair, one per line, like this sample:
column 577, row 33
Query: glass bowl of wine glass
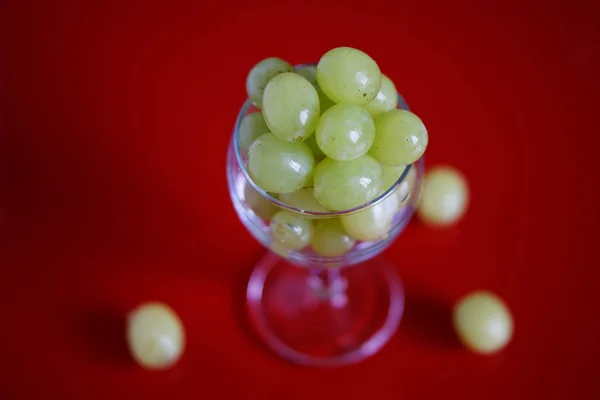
column 334, row 301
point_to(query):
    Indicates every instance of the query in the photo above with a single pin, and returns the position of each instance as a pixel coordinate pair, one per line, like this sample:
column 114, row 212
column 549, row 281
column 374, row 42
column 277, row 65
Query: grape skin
column 261, row 74
column 310, row 73
column 303, row 199
column 291, row 230
column 483, row 322
column 348, row 75
column 311, row 142
column 261, row 206
column 278, row 166
column 401, row 138
column 372, row 223
column 252, row 126
column 342, row 185
column 391, row 174
column 330, row 239
column 291, row 107
column 155, row 335
column 386, row 99
column 345, row 132
column 445, row 197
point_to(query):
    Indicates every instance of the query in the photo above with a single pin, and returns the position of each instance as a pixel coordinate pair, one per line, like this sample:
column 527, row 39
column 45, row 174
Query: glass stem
column 327, row 283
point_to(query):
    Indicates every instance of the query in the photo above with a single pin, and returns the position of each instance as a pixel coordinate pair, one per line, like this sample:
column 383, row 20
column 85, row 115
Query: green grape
column 310, row 182
column 155, row 335
column 303, row 199
column 391, row 174
column 278, row 166
column 386, row 99
column 252, row 126
column 348, row 75
column 280, row 249
column 445, row 196
column 291, row 230
column 311, row 142
column 404, row 191
column 372, row 223
column 341, row 185
column 483, row 322
column 310, row 73
column 330, row 239
column 261, row 74
column 291, row 107
column 260, row 205
column 401, row 138
column 345, row 132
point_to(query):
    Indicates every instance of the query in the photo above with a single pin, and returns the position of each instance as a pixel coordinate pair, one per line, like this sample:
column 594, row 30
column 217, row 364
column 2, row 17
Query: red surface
column 118, row 117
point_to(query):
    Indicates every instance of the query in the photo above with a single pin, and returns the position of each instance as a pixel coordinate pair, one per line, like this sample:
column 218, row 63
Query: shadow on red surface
column 427, row 318
column 103, row 335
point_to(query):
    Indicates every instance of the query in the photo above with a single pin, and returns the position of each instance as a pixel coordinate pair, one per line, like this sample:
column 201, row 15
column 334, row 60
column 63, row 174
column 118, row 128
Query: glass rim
column 240, row 160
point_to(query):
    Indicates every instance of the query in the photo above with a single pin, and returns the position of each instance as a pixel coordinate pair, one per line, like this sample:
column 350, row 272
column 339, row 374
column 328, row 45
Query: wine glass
column 315, row 310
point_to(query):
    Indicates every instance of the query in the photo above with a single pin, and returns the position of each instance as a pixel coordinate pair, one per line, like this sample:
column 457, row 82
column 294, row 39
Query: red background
column 118, row 115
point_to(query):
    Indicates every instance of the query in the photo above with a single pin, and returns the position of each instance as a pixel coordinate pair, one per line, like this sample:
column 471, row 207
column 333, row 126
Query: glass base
column 327, row 317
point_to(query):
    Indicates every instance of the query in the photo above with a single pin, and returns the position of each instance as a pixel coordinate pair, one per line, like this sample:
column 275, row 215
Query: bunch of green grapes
column 328, row 138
